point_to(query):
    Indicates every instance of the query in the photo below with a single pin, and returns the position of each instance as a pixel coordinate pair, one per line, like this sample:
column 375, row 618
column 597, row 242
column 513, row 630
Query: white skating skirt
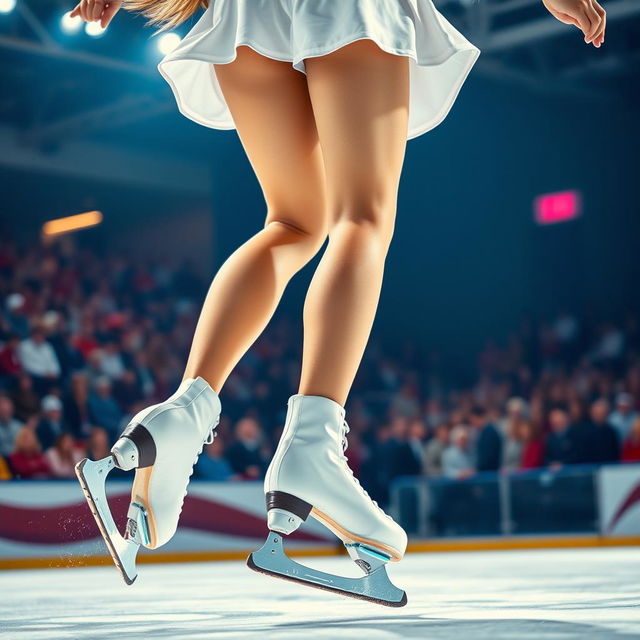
column 292, row 30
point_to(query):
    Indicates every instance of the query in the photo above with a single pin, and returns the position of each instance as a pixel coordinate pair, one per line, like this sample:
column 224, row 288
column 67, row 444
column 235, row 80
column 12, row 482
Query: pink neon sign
column 551, row 208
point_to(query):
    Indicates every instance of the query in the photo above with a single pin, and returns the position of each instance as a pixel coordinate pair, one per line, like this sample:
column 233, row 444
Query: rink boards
column 47, row 523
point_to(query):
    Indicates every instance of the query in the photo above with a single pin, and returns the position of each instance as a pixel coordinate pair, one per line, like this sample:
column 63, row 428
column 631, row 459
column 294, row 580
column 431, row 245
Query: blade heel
column 135, row 449
column 285, row 512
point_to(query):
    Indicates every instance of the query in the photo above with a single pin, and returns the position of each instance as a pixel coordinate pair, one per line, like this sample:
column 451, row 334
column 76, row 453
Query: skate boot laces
column 211, row 436
column 345, row 445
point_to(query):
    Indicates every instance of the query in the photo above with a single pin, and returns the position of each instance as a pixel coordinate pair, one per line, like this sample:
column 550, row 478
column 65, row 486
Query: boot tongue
column 313, row 411
column 205, row 401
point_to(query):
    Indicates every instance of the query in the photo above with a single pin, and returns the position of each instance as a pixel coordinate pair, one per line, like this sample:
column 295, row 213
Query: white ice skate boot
column 162, row 443
column 309, row 475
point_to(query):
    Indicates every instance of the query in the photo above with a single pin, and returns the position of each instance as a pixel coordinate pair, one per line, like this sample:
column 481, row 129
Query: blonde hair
column 166, row 13
column 26, row 441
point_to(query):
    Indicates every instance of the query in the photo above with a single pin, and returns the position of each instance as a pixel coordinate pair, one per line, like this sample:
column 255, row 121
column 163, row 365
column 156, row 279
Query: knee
column 308, row 237
column 370, row 220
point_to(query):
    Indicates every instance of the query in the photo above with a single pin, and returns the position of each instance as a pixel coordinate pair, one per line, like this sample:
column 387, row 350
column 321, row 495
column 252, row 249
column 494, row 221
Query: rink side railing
column 572, row 501
column 48, row 524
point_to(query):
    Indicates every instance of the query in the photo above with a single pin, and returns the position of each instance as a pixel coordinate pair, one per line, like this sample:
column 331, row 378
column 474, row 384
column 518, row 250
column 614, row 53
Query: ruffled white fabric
column 292, row 30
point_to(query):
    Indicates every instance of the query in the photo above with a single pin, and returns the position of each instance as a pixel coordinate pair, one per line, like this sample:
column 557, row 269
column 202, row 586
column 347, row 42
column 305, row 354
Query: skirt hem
column 430, row 61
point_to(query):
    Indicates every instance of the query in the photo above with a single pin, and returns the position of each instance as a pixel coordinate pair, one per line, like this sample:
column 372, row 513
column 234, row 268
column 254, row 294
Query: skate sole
column 348, row 594
column 283, row 502
column 101, row 525
column 350, row 538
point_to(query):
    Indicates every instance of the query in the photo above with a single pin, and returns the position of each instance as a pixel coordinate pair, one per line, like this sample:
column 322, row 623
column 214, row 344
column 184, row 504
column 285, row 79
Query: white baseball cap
column 51, row 403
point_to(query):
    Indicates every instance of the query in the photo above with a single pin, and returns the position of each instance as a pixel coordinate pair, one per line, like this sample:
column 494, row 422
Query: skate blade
column 374, row 587
column 92, row 476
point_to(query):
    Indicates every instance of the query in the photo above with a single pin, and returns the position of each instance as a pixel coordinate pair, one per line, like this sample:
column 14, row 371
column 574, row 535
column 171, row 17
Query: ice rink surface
column 512, row 595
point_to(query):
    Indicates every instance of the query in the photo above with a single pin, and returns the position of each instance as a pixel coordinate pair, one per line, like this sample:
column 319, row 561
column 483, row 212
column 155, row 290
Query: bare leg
column 272, row 112
column 360, row 97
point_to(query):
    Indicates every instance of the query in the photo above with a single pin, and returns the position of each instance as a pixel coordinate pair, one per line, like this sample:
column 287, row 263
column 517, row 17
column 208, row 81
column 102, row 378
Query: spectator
column 488, row 442
column 16, row 317
column 212, row 465
column 581, row 434
column 103, row 409
column 533, row 446
column 9, row 426
column 623, row 416
column 27, row 460
column 26, row 401
column 416, row 441
column 376, row 469
column 432, row 461
column 69, row 358
column 456, row 459
column 434, row 414
column 244, row 455
column 407, row 460
column 39, row 360
column 76, row 407
column 63, row 456
column 513, row 443
column 631, row 446
column 51, row 426
column 558, row 449
column 517, row 409
column 85, row 341
column 111, row 362
column 98, row 444
column 605, row 446
column 396, row 449
column 9, row 360
column 405, row 401
column 127, row 391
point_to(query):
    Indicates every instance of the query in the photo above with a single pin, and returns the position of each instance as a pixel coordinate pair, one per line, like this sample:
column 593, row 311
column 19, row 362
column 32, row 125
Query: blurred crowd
column 87, row 340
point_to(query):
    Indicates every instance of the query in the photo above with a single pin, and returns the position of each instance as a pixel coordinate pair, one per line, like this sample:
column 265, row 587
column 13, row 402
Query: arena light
column 72, row 223
column 7, row 6
column 69, row 24
column 94, row 29
column 552, row 208
column 167, row 42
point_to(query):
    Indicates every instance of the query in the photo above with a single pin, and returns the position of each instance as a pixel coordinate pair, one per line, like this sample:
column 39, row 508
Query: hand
column 97, row 10
column 587, row 15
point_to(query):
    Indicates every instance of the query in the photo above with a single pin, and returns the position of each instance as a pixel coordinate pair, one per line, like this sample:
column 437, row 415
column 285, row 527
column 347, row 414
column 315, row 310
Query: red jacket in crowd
column 32, row 465
column 533, row 455
column 9, row 362
column 630, row 451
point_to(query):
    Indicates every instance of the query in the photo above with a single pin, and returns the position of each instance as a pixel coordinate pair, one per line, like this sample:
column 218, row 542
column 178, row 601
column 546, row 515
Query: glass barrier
column 491, row 504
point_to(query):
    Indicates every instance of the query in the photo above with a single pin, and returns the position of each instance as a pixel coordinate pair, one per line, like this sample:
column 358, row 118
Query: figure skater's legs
column 273, row 115
column 360, row 97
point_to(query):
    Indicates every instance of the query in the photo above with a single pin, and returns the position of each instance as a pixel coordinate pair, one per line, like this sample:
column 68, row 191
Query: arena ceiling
column 58, row 88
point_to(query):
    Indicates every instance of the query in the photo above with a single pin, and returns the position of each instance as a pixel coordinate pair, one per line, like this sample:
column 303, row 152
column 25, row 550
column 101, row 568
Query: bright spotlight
column 167, row 43
column 69, row 24
column 94, row 29
column 7, row 6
